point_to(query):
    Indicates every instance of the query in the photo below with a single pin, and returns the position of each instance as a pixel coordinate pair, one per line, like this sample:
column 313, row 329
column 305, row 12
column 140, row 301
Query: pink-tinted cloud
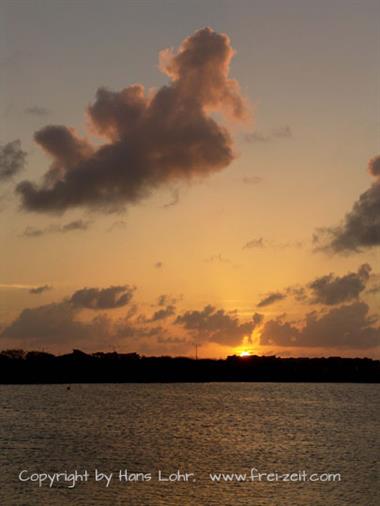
column 152, row 139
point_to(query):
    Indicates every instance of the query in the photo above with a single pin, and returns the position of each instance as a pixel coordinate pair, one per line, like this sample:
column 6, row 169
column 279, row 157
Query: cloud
column 174, row 200
column 117, row 225
column 254, row 243
column 53, row 324
column 271, row 298
column 252, row 179
column 331, row 290
column 360, row 228
column 162, row 314
column 40, row 289
column 167, row 300
column 152, row 139
column 57, row 229
column 12, row 159
column 102, row 298
column 298, row 292
column 217, row 326
column 284, row 132
column 36, row 110
column 373, row 290
column 219, row 258
column 347, row 326
column 260, row 243
column 63, row 325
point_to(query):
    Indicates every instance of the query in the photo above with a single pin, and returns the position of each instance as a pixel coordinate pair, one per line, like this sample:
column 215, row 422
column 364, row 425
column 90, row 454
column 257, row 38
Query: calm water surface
column 196, row 428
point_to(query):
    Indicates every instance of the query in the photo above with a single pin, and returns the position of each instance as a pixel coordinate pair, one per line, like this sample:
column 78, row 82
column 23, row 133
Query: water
column 196, row 428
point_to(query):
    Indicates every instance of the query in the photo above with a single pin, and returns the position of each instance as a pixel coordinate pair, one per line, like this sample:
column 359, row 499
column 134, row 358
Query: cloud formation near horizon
column 152, row 139
column 217, row 326
column 360, row 228
column 12, row 159
column 347, row 326
column 331, row 290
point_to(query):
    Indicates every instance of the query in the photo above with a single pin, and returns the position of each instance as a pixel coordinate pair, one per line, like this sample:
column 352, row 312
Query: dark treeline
column 19, row 367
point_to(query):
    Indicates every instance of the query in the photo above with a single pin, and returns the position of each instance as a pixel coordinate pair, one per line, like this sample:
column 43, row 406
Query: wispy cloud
column 36, row 110
column 37, row 290
column 76, row 225
column 261, row 243
column 284, row 132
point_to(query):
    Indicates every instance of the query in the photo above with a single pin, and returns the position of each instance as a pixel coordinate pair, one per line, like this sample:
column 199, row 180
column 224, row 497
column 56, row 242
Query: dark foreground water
column 204, row 429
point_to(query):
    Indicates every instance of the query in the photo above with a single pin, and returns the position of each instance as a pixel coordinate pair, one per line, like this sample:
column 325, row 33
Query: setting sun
column 245, row 353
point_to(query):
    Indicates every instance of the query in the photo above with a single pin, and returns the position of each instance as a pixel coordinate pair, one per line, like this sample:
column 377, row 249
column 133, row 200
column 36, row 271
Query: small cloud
column 40, row 289
column 102, row 298
column 218, row 258
column 12, row 159
column 283, row 132
column 374, row 290
column 252, row 179
column 167, row 300
column 298, row 292
column 36, row 110
column 75, row 225
column 254, row 243
column 117, row 225
column 162, row 314
column 271, row 298
column 261, row 243
column 257, row 137
column 174, row 201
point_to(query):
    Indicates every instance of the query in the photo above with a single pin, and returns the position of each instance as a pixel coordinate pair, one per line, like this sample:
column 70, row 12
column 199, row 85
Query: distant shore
column 34, row 367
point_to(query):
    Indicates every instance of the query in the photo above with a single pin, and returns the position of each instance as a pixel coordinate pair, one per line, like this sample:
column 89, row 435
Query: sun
column 245, row 353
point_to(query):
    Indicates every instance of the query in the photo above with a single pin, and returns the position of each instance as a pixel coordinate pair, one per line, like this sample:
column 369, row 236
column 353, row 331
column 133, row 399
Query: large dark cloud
column 360, row 228
column 102, row 298
column 53, row 324
column 152, row 139
column 347, row 326
column 12, row 160
column 332, row 289
column 271, row 298
column 217, row 326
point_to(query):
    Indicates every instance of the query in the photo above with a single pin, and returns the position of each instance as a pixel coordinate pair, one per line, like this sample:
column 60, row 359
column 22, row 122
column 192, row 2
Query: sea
column 222, row 444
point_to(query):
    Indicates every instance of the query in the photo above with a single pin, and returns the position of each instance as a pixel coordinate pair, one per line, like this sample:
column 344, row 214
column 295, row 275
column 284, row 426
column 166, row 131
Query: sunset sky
column 174, row 173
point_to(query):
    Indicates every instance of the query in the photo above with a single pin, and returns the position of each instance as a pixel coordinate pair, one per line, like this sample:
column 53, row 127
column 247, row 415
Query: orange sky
column 206, row 186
